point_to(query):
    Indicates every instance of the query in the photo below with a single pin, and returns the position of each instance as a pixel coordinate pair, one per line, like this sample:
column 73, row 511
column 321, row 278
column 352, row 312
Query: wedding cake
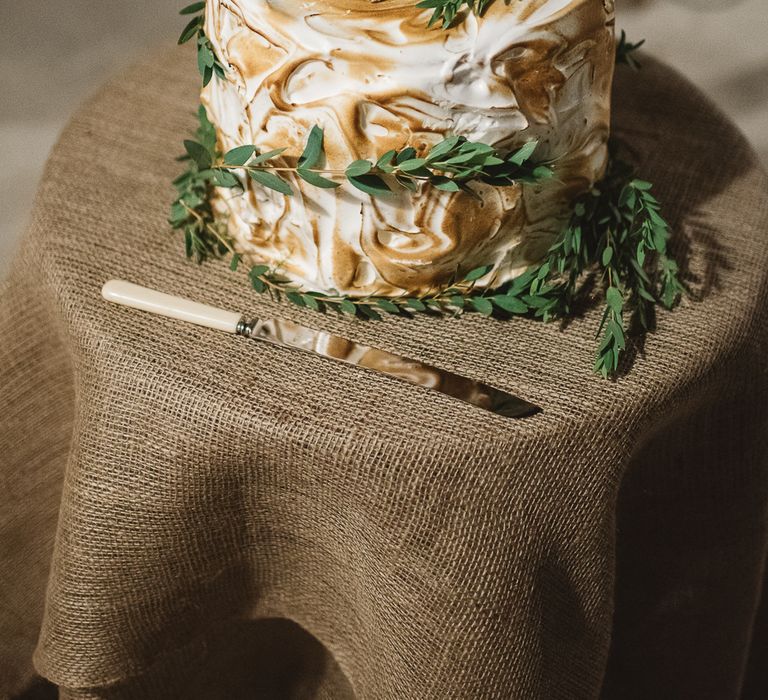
column 375, row 76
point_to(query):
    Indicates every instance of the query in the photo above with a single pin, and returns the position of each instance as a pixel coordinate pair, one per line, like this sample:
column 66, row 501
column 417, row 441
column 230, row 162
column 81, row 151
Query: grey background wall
column 54, row 53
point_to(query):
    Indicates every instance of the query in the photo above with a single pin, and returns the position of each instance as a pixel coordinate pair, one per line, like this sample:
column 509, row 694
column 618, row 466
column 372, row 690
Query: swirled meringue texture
column 374, row 77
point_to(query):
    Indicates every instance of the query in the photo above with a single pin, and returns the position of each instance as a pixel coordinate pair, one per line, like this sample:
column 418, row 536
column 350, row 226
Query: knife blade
column 286, row 333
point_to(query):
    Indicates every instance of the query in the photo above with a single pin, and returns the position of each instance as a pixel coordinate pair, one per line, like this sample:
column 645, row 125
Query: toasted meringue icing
column 375, row 78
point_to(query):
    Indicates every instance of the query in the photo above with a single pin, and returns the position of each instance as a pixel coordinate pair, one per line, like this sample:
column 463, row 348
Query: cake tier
column 375, row 78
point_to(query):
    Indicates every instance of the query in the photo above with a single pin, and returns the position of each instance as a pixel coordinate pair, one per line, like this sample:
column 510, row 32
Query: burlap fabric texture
column 214, row 518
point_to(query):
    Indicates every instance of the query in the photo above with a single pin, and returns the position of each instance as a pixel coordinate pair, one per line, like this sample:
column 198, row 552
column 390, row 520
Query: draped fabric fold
column 211, row 517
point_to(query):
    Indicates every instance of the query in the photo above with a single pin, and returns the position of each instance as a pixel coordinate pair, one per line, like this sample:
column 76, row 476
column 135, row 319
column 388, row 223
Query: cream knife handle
column 129, row 294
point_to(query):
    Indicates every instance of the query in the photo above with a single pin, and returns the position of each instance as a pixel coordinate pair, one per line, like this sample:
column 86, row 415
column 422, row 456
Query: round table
column 210, row 517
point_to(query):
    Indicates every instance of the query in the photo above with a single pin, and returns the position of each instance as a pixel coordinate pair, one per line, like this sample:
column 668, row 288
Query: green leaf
column 207, row 75
column 650, row 200
column 192, row 199
column 370, row 184
column 192, row 9
column 511, row 304
column 614, row 299
column 542, row 172
column 179, row 212
column 385, row 162
column 235, row 262
column 442, row 148
column 477, row 273
column 640, row 254
column 190, row 30
column 203, row 176
column 604, row 364
column 617, row 331
column 313, row 150
column 198, row 153
column 660, row 240
column 522, row 281
column 412, row 165
column 446, row 184
column 405, row 154
column 310, row 302
column 256, row 282
column 388, row 306
column 269, row 155
column 482, row 304
column 659, row 224
column 577, row 238
column 295, row 298
column 671, row 291
column 239, row 155
column 462, row 158
column 205, row 57
column 643, row 292
column 271, row 181
column 607, row 256
column 628, row 197
column 358, row 168
column 317, row 180
column 206, row 133
column 523, row 154
column 416, row 304
column 477, row 147
column 348, row 307
column 188, row 243
column 224, row 178
column 536, row 302
column 369, row 312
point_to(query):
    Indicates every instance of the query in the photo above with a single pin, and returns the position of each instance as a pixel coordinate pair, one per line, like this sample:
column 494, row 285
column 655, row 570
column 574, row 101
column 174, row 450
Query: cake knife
column 288, row 334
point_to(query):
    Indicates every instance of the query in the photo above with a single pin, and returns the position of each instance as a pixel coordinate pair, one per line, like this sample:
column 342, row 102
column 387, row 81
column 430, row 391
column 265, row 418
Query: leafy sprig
column 449, row 165
column 625, row 50
column 616, row 241
column 616, row 234
column 207, row 62
column 446, row 11
column 191, row 211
